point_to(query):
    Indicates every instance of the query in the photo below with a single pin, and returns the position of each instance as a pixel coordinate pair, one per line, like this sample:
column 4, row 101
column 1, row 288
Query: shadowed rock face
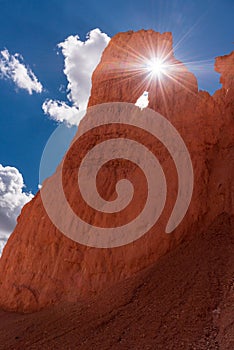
column 40, row 266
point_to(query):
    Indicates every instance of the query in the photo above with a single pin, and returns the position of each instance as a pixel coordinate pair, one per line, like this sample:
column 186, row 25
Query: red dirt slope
column 184, row 301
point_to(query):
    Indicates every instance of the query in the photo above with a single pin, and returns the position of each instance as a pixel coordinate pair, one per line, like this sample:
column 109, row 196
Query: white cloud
column 143, row 101
column 12, row 67
column 12, row 199
column 81, row 58
column 61, row 112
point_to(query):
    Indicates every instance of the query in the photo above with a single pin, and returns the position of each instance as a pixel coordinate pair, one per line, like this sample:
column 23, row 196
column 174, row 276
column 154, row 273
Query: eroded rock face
column 40, row 266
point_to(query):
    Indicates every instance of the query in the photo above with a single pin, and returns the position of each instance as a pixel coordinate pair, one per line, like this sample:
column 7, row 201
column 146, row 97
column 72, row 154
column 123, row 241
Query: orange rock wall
column 40, row 266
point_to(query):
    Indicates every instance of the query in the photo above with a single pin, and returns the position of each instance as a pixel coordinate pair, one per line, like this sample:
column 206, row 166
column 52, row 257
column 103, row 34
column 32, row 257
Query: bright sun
column 156, row 67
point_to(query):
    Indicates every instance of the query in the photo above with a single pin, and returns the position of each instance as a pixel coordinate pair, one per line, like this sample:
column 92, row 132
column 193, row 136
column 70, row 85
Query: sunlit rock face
column 124, row 73
column 40, row 266
column 225, row 66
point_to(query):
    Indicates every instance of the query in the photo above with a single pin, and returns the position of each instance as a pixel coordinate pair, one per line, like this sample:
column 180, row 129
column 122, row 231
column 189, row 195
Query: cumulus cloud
column 61, row 112
column 81, row 58
column 12, row 199
column 13, row 68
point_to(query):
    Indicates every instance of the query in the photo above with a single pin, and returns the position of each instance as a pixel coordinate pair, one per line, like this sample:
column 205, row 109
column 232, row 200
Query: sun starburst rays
column 157, row 68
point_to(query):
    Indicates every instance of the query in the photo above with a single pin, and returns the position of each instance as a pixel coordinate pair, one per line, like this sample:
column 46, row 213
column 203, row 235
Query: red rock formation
column 40, row 266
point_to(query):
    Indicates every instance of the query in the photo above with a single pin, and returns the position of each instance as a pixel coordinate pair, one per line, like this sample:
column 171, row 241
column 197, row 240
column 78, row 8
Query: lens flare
column 156, row 67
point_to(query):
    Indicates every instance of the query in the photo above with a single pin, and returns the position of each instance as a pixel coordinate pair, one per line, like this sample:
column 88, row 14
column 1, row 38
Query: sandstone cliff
column 40, row 266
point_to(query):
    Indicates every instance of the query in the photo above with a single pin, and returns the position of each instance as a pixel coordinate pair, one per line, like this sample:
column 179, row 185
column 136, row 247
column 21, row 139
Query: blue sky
column 34, row 28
